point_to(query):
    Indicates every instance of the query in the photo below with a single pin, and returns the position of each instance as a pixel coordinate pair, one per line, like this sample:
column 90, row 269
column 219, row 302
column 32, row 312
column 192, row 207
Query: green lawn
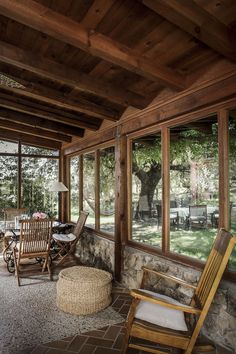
column 195, row 243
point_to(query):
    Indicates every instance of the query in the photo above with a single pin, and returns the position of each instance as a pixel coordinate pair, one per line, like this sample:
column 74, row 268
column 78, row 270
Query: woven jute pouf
column 83, row 290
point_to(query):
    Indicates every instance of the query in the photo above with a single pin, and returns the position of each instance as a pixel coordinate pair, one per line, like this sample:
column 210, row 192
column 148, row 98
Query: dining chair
column 31, row 256
column 197, row 216
column 156, row 320
column 67, row 242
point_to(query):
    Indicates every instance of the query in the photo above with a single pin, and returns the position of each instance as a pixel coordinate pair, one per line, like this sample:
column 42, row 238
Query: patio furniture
column 67, row 242
column 11, row 233
column 83, row 290
column 174, row 216
column 197, row 216
column 34, row 243
column 164, row 321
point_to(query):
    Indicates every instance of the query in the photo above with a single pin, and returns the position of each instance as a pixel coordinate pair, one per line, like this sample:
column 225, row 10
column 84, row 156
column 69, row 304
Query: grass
column 194, row 243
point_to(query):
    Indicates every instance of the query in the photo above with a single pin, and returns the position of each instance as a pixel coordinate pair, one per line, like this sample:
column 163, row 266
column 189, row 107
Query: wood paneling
column 194, row 20
column 60, row 27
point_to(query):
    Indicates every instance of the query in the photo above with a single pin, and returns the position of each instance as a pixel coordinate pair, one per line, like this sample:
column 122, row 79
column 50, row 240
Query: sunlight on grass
column 194, row 243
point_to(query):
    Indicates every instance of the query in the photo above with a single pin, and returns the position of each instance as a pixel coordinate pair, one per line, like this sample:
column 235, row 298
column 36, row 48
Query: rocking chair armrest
column 169, row 277
column 140, row 295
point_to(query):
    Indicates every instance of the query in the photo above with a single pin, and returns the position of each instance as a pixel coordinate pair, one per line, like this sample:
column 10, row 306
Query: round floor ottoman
column 83, row 290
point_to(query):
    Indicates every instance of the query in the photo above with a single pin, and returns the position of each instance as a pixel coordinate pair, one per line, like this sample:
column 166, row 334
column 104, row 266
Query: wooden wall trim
column 184, row 104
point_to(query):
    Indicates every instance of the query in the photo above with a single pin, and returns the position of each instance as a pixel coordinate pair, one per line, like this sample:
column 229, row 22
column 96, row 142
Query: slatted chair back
column 78, row 229
column 214, row 268
column 35, row 237
column 35, row 243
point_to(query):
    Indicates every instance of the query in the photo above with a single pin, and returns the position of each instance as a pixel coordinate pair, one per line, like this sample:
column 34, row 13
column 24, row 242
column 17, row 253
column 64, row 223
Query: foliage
column 36, row 174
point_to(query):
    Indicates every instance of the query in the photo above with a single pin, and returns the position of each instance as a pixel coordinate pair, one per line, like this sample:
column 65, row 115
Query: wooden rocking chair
column 159, row 324
column 35, row 242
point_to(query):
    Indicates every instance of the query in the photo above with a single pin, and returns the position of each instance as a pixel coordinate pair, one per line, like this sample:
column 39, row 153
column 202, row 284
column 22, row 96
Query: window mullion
column 165, row 190
column 97, row 190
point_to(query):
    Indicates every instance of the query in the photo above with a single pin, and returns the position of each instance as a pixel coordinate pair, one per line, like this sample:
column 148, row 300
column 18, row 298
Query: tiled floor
column 107, row 340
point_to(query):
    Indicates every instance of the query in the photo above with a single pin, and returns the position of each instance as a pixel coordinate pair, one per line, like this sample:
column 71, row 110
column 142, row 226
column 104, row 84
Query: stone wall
column 220, row 324
column 96, row 251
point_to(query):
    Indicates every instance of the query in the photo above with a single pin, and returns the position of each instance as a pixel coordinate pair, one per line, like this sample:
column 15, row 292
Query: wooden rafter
column 39, row 110
column 29, row 139
column 5, row 123
column 37, row 122
column 193, row 19
column 54, row 97
column 66, row 76
column 45, row 20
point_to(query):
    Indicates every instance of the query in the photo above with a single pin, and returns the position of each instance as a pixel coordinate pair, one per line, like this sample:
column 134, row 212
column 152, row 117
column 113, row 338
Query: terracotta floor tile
column 39, row 350
column 59, row 344
column 87, row 349
column 107, row 343
column 119, row 342
column 77, row 343
column 96, row 333
column 112, row 332
column 57, row 351
column 124, row 310
column 100, row 350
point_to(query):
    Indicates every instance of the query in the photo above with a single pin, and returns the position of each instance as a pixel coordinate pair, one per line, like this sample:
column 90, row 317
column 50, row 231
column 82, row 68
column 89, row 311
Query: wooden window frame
column 222, row 114
column 96, row 151
column 19, row 154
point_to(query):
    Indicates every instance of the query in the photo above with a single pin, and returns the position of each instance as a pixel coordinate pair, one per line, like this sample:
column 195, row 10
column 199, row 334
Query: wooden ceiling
column 68, row 65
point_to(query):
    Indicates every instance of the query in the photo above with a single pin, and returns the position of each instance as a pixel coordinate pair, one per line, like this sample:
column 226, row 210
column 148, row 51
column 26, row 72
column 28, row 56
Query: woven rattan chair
column 156, row 320
column 35, row 241
column 67, row 242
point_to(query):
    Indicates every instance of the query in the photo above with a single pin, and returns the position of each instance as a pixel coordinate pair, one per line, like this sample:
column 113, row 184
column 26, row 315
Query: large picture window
column 107, row 189
column 74, row 187
column 92, row 188
column 176, row 186
column 194, row 197
column 147, row 190
column 26, row 173
column 89, row 187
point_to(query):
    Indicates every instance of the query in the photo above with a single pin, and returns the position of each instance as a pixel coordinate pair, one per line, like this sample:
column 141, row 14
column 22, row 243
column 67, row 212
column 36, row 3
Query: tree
column 190, row 149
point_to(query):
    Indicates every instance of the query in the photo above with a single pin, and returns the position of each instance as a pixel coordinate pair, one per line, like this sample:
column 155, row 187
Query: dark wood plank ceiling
column 68, row 65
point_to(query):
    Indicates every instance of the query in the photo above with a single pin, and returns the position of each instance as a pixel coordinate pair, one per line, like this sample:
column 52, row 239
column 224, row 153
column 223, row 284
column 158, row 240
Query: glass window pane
column 74, row 188
column 232, row 181
column 8, row 147
column 89, row 187
column 33, row 150
column 37, row 174
column 147, row 190
column 194, row 190
column 107, row 189
column 8, row 184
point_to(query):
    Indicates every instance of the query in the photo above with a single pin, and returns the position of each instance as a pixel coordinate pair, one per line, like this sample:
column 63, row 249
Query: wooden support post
column 121, row 200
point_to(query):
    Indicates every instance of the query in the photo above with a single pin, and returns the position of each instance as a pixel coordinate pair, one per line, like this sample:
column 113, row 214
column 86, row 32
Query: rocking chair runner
column 163, row 321
column 35, row 242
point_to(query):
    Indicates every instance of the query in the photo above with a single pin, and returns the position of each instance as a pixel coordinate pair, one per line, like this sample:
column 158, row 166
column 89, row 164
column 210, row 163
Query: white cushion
column 64, row 237
column 160, row 315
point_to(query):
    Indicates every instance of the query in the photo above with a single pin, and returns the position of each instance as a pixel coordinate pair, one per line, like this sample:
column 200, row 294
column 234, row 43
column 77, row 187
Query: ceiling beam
column 33, row 131
column 45, row 20
column 29, row 139
column 52, row 70
column 54, row 97
column 196, row 21
column 22, row 105
column 41, row 123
